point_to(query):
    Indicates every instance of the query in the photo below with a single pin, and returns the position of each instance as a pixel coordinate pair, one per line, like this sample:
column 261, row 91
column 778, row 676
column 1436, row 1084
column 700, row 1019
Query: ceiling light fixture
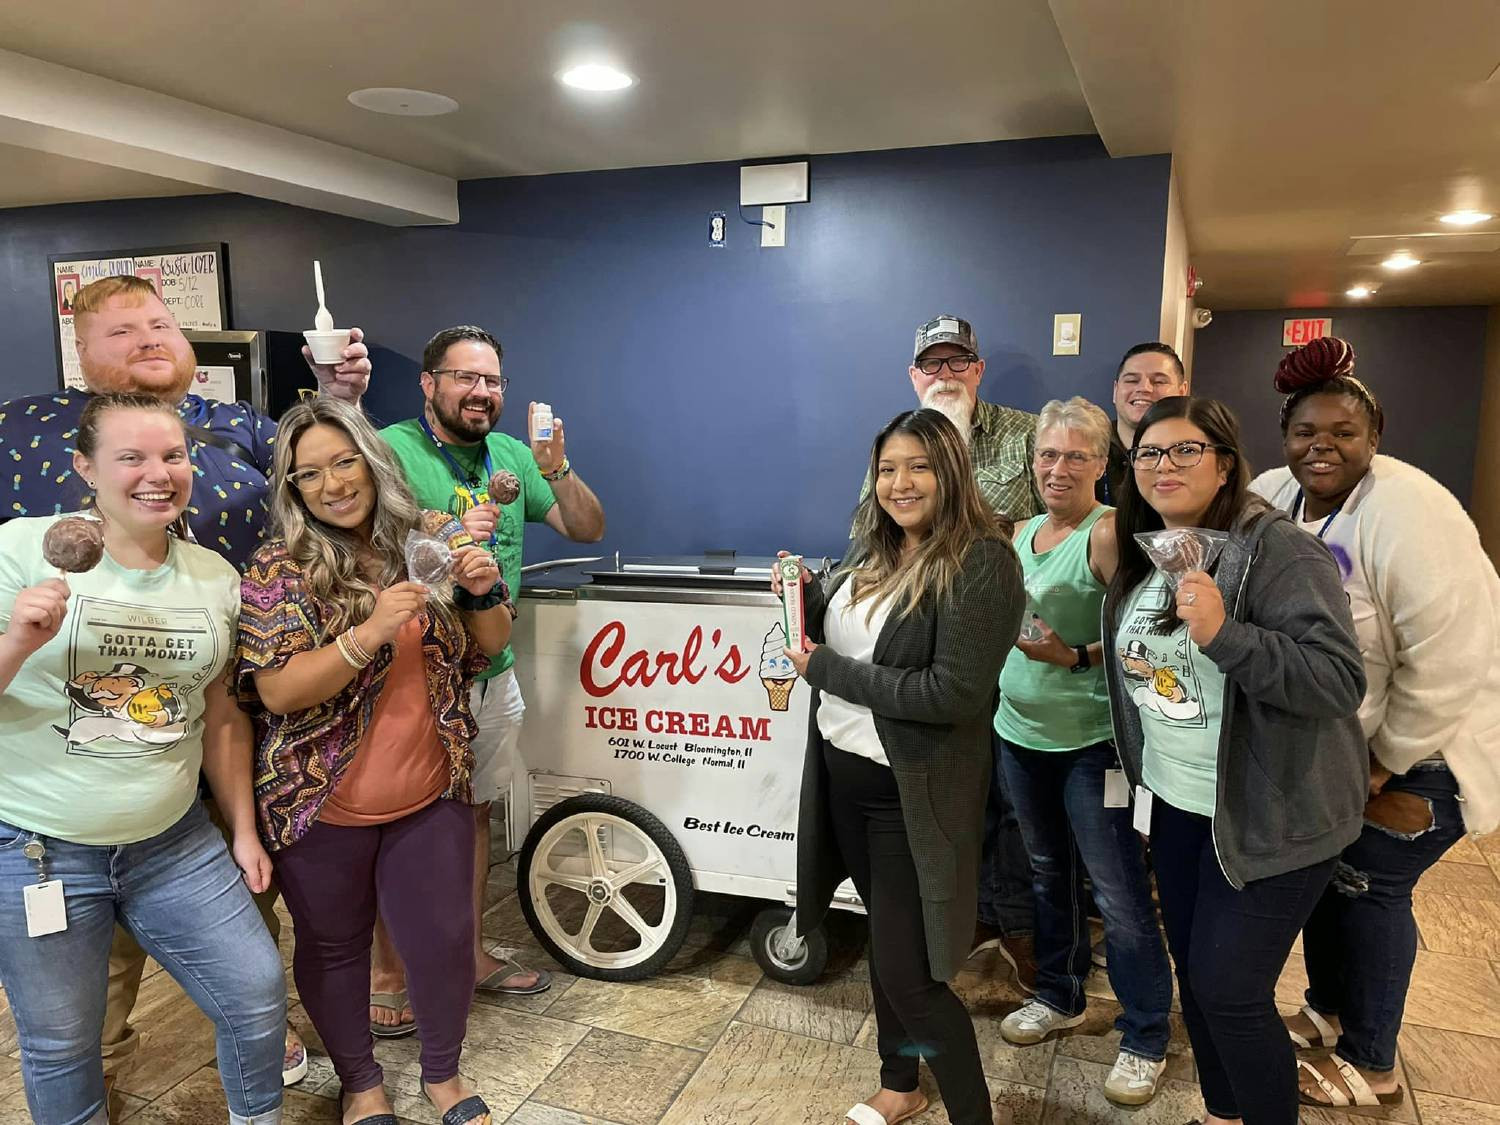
column 1359, row 291
column 1401, row 260
column 399, row 102
column 596, row 77
column 1465, row 218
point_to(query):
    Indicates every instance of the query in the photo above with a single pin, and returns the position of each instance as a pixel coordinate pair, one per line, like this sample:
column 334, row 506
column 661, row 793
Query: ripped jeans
column 1361, row 941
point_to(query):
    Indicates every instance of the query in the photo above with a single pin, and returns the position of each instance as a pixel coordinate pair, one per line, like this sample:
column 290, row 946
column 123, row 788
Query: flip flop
column 1356, row 1090
column 395, row 1001
column 863, row 1114
column 494, row 983
column 372, row 1119
column 1327, row 1036
column 470, row 1111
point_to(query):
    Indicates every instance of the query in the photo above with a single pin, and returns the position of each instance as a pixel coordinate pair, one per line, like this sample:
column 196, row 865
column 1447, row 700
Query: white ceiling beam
column 70, row 113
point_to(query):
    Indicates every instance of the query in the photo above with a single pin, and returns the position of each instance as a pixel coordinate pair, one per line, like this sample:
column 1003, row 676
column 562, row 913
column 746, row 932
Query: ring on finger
column 1191, row 597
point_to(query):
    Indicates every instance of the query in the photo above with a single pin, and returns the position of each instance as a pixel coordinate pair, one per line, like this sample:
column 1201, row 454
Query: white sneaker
column 1034, row 1022
column 1133, row 1079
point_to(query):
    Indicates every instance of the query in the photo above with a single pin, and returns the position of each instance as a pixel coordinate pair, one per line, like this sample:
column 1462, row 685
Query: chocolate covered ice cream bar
column 74, row 544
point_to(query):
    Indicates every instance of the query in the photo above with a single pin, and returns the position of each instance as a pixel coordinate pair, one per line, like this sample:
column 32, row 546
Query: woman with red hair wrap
column 1426, row 605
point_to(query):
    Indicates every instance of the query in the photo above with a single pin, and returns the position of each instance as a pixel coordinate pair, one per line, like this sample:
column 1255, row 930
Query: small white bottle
column 541, row 422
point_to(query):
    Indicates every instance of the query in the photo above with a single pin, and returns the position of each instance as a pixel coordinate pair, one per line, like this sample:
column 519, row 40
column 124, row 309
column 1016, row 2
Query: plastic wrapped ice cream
column 1178, row 551
column 777, row 675
column 428, row 560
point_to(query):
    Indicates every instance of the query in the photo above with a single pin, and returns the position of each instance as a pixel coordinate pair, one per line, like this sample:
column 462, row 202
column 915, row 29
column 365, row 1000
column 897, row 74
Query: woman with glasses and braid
column 1234, row 698
column 359, row 677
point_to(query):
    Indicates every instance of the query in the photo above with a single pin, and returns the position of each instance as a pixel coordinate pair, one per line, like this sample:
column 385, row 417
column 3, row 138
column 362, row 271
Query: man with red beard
column 128, row 341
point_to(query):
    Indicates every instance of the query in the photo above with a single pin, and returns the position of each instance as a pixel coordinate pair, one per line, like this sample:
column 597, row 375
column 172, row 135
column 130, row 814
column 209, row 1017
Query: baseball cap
column 945, row 328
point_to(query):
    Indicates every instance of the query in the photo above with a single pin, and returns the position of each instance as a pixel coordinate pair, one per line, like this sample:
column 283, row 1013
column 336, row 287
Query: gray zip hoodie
column 1293, row 767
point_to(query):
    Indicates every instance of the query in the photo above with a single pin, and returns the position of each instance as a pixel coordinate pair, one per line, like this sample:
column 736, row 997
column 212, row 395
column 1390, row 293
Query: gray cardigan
column 1293, row 766
column 931, row 688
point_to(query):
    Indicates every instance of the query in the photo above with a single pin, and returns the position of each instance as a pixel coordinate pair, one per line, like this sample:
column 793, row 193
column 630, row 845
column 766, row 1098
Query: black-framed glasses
column 312, row 480
column 1073, row 458
column 468, row 380
column 1183, row 454
column 957, row 364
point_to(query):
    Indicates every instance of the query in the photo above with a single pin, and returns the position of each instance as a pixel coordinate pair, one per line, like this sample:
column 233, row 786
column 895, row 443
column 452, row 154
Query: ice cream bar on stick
column 790, row 569
column 504, row 487
column 74, row 544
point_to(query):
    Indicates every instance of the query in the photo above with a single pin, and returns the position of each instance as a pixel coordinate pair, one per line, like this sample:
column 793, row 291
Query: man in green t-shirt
column 449, row 455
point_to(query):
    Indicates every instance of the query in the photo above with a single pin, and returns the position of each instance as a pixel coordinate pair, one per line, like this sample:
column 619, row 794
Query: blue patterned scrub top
column 230, row 443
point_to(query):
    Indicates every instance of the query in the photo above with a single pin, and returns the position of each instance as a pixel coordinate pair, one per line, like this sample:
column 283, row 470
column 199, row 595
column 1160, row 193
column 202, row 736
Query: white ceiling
column 28, row 177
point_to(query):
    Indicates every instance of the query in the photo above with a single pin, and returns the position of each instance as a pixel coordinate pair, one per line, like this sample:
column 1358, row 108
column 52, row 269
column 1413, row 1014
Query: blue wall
column 714, row 398
column 1426, row 365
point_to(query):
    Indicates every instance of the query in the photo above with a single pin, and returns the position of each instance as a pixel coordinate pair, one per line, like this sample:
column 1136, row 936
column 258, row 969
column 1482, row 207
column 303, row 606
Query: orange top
column 401, row 765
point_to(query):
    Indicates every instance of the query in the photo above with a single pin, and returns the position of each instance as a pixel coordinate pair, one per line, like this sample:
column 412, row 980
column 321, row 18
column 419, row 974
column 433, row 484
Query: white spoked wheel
column 607, row 890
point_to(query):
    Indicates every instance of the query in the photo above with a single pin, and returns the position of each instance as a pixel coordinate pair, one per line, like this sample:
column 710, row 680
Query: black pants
column 915, row 1016
column 1230, row 947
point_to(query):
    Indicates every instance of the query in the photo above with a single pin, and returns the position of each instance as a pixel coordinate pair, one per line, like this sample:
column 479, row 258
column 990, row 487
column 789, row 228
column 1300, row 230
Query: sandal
column 863, row 1114
column 470, row 1111
column 395, row 1001
column 372, row 1119
column 1327, row 1036
column 495, row 982
column 1356, row 1091
column 293, row 1058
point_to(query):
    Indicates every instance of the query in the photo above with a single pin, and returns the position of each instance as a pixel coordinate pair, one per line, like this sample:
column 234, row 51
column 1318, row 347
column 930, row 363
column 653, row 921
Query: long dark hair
column 1135, row 514
column 961, row 518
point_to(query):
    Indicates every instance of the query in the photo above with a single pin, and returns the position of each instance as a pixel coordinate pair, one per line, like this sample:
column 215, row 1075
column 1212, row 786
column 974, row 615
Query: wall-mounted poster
column 193, row 281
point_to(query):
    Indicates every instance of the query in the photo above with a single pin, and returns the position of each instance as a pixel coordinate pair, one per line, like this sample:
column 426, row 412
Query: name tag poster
column 192, row 281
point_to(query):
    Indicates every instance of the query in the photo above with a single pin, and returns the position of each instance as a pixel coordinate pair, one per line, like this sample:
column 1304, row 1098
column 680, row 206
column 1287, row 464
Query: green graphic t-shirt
column 438, row 487
column 101, row 731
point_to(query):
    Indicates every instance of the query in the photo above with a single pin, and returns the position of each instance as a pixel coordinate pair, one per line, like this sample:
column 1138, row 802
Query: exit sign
column 1295, row 333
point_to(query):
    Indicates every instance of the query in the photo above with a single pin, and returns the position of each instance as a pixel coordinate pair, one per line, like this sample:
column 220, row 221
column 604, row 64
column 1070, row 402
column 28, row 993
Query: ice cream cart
column 663, row 748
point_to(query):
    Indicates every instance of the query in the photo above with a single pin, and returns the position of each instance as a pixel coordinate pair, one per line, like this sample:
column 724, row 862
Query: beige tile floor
column 714, row 1042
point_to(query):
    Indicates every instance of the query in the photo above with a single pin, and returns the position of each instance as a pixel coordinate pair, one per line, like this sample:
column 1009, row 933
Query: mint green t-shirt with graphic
column 101, row 730
column 1179, row 693
column 438, row 488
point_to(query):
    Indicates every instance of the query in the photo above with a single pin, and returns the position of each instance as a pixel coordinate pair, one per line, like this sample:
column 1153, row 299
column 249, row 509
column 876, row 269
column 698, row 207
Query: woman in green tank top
column 1055, row 752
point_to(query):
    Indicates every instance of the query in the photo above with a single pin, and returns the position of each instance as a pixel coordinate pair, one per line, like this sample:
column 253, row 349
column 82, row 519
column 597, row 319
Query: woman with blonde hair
column 359, row 674
column 905, row 645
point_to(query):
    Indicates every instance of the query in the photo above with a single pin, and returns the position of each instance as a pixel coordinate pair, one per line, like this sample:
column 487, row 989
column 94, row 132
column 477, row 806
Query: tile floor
column 714, row 1042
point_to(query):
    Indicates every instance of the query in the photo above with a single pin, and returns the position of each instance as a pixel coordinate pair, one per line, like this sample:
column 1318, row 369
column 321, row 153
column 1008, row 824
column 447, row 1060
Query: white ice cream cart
column 663, row 748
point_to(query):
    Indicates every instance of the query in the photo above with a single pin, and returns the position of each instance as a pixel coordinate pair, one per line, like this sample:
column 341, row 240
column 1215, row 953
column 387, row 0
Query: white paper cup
column 327, row 347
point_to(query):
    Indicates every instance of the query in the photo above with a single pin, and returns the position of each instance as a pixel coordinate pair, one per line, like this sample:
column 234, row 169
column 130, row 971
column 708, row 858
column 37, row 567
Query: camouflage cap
column 945, row 328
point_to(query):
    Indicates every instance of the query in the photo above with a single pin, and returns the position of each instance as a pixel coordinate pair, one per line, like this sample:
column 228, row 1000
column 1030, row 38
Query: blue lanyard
column 459, row 475
column 1297, row 511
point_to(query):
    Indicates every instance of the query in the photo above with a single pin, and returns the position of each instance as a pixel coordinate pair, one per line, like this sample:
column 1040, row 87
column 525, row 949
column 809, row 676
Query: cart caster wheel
column 605, row 888
column 781, row 954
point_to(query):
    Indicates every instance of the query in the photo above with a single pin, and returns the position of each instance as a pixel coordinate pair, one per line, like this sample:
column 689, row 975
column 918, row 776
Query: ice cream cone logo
column 777, row 675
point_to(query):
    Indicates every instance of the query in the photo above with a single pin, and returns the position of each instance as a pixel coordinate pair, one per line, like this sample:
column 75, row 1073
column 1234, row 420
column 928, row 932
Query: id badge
column 46, row 912
column 1116, row 790
column 1142, row 819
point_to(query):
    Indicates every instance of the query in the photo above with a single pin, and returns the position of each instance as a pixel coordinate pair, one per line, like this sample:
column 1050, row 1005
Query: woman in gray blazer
column 905, row 649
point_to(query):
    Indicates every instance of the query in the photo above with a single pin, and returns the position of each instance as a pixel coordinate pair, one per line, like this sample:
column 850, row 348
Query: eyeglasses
column 1183, row 454
column 469, row 379
column 312, row 480
column 957, row 364
column 1075, row 458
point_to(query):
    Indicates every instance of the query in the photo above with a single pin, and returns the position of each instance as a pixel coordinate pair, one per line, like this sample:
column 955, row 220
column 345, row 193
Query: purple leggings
column 421, row 870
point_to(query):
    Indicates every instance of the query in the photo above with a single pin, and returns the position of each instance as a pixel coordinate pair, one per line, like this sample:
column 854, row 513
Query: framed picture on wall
column 193, row 281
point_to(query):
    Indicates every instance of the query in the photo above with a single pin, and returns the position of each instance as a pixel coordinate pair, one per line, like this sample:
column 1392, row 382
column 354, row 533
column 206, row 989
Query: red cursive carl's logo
column 605, row 665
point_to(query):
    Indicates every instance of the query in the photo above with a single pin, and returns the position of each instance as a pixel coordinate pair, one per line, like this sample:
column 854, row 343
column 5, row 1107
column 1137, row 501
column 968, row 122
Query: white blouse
column 852, row 633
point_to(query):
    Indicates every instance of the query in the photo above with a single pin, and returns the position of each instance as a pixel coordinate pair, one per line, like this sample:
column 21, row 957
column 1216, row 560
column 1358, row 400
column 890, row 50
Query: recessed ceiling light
column 403, row 103
column 1401, row 261
column 594, row 76
column 1465, row 218
column 1359, row 291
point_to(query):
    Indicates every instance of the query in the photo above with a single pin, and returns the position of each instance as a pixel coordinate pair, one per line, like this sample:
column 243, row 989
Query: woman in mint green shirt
column 1055, row 752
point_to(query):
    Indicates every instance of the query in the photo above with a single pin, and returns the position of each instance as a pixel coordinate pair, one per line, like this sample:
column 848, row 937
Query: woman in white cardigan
column 1426, row 604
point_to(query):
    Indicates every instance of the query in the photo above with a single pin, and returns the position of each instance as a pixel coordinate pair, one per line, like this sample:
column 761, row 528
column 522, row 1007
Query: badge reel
column 46, row 911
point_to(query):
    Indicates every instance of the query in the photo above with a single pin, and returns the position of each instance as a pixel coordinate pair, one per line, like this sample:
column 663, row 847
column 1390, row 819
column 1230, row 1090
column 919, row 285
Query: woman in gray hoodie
column 1234, row 699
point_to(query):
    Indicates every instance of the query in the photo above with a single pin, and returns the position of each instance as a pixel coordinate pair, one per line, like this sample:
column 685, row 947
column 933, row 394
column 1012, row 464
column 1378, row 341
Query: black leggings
column 1229, row 947
column 914, row 1014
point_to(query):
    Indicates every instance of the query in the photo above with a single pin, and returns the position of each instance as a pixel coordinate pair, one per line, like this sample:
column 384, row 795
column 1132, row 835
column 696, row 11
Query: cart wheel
column 605, row 888
column 781, row 954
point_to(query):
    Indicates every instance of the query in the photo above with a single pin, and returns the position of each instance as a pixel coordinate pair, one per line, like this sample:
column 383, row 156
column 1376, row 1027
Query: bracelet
column 557, row 474
column 351, row 650
column 473, row 603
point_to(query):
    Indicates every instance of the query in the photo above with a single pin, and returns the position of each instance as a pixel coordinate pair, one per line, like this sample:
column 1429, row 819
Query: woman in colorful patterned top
column 360, row 680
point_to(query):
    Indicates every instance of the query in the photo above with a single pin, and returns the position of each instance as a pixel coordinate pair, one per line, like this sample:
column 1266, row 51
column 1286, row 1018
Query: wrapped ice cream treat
column 504, row 487
column 1031, row 623
column 1177, row 551
column 777, row 675
column 74, row 544
column 792, row 595
column 428, row 560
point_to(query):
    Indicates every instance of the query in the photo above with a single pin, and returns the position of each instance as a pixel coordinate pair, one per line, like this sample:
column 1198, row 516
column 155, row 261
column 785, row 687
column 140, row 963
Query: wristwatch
column 1083, row 659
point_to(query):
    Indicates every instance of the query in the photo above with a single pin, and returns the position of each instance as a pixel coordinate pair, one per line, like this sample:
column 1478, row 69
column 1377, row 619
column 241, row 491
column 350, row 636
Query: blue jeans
column 1361, row 941
column 1004, row 868
column 181, row 896
column 1059, row 797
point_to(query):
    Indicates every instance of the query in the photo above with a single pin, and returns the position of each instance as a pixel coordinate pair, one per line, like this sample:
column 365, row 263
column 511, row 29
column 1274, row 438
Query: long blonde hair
column 961, row 517
column 329, row 556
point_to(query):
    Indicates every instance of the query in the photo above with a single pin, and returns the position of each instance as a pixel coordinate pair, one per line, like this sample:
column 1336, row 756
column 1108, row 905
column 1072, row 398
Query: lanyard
column 459, row 475
column 1297, row 511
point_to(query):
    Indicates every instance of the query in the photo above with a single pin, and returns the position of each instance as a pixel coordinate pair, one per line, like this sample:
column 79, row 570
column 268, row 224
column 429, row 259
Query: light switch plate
column 773, row 235
column 1067, row 328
